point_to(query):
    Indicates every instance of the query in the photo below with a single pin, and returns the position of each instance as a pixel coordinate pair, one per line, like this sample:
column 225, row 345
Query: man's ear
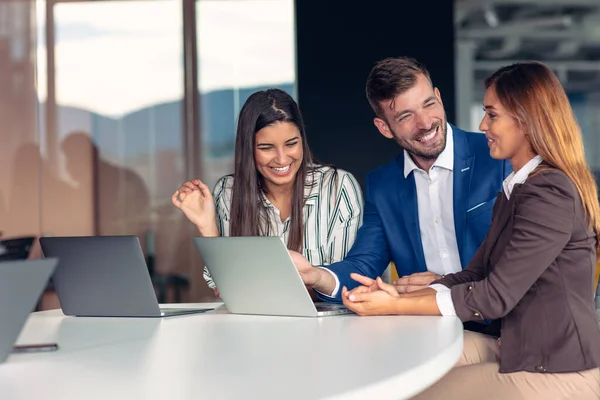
column 438, row 95
column 383, row 128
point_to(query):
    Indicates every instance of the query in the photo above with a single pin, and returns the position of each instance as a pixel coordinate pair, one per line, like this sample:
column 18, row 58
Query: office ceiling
column 565, row 34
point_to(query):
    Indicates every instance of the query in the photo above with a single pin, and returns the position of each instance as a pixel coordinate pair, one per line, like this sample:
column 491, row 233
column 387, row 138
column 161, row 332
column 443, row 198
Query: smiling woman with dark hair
column 277, row 189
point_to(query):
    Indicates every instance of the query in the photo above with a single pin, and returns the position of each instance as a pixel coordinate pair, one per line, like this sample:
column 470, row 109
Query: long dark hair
column 265, row 108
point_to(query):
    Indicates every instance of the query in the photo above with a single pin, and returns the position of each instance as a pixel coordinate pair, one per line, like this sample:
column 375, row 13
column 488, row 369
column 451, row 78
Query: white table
column 223, row 356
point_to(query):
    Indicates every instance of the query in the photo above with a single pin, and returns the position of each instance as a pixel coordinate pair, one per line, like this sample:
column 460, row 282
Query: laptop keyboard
column 329, row 307
column 172, row 311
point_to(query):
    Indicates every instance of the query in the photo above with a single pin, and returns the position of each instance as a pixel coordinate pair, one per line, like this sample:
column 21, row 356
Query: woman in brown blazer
column 533, row 274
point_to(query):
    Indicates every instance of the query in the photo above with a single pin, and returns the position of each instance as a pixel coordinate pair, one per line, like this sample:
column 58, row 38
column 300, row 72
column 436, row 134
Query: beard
column 426, row 152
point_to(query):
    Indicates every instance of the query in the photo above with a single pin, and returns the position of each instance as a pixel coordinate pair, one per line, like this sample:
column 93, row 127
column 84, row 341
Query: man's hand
column 309, row 274
column 313, row 277
column 414, row 282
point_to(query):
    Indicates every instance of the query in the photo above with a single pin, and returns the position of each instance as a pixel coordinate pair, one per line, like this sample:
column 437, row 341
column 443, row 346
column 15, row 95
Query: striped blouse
column 332, row 215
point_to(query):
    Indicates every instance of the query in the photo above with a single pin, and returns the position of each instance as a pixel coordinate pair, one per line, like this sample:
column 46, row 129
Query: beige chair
column 390, row 274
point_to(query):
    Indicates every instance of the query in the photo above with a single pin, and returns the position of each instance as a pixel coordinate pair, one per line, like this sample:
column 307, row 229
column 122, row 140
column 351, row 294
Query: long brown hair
column 532, row 93
column 265, row 108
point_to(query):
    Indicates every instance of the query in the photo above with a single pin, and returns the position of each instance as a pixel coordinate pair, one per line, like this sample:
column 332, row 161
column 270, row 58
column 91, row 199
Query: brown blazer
column 534, row 272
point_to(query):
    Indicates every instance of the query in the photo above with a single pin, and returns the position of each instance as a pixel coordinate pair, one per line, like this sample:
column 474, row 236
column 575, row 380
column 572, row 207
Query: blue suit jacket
column 390, row 230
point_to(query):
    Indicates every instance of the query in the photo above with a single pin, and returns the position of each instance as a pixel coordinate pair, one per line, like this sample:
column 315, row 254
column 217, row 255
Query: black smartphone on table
column 35, row 348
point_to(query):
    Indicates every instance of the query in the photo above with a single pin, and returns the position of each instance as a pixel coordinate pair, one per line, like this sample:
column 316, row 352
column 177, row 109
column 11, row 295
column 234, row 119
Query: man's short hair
column 391, row 77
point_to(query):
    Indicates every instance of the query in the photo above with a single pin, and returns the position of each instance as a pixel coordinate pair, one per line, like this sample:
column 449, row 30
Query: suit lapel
column 462, row 173
column 502, row 213
column 407, row 196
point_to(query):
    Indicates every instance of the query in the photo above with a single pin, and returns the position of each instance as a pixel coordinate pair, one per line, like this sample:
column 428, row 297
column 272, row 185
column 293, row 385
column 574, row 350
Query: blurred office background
column 107, row 106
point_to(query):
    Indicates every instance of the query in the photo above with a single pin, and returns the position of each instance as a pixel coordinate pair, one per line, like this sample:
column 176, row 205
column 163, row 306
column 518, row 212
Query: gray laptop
column 21, row 284
column 256, row 275
column 104, row 276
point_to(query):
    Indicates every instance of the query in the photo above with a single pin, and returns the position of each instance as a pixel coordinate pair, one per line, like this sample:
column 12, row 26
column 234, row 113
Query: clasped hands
column 375, row 297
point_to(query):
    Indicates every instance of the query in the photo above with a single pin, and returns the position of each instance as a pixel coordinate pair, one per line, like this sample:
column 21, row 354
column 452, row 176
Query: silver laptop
column 256, row 275
column 104, row 276
column 21, row 284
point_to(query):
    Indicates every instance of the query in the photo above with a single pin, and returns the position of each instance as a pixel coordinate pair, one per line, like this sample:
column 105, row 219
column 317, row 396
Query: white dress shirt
column 443, row 296
column 436, row 209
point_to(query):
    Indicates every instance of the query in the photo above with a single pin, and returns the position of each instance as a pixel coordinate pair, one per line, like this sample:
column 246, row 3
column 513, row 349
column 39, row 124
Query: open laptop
column 21, row 284
column 104, row 276
column 256, row 275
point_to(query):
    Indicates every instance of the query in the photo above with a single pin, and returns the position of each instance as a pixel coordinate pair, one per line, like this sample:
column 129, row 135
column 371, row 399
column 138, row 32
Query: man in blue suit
column 429, row 209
